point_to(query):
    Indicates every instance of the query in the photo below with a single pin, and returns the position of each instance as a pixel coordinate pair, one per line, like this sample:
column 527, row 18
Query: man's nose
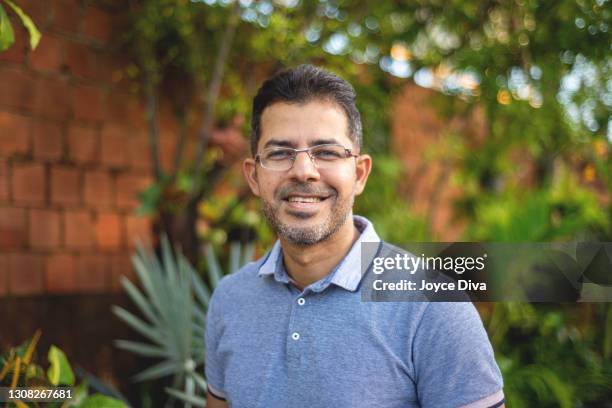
column 304, row 168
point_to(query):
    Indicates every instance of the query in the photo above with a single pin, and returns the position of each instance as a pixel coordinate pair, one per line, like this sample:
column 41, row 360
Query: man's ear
column 363, row 167
column 249, row 168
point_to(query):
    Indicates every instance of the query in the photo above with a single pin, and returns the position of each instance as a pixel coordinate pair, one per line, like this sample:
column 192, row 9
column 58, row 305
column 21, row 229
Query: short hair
column 301, row 85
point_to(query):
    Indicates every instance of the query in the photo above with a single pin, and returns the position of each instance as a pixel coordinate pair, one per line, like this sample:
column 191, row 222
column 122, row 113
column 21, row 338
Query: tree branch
column 151, row 114
column 182, row 137
column 213, row 94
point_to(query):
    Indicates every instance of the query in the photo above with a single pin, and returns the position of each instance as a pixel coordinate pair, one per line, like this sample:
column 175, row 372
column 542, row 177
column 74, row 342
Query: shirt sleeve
column 213, row 364
column 453, row 358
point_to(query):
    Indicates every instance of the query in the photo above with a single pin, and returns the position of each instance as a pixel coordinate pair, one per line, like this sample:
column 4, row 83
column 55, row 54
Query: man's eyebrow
column 323, row 141
column 287, row 143
column 278, row 142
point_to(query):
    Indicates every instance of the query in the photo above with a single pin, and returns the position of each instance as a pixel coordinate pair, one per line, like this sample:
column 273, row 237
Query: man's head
column 301, row 85
column 306, row 201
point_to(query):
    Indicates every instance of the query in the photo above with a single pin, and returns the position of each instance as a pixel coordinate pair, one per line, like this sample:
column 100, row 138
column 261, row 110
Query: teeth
column 304, row 199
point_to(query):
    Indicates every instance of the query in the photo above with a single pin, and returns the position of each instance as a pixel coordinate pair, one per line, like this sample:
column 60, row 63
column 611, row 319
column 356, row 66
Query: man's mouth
column 303, row 206
column 304, row 199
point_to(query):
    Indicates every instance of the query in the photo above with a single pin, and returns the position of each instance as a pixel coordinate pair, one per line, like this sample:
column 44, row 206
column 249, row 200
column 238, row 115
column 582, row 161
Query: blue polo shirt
column 269, row 344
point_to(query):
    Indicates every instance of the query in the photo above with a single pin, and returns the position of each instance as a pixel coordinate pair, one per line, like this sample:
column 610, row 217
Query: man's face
column 307, row 205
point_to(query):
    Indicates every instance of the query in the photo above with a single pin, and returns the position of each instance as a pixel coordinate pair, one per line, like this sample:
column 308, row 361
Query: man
column 291, row 330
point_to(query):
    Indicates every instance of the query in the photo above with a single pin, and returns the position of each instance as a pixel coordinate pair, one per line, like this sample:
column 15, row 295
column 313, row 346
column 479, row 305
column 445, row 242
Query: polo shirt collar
column 346, row 275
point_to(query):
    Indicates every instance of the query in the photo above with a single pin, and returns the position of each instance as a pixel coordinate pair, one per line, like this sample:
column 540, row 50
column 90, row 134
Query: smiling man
column 291, row 329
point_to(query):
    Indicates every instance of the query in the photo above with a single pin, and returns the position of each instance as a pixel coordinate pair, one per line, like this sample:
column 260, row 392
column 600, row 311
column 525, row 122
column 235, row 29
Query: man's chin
column 302, row 236
column 301, row 215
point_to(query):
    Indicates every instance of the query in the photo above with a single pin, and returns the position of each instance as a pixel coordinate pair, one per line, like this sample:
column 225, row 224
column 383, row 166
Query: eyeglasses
column 324, row 156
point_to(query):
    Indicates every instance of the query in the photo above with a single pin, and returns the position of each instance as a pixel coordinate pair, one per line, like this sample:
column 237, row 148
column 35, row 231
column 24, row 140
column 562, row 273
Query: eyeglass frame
column 348, row 153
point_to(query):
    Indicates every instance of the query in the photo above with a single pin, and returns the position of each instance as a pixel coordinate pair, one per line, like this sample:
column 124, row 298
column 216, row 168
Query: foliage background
column 538, row 70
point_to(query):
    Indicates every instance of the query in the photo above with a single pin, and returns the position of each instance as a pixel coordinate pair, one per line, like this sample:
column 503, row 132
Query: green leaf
column 79, row 395
column 201, row 290
column 235, row 258
column 59, row 372
column 168, row 261
column 99, row 400
column 200, row 381
column 214, row 269
column 138, row 325
column 190, row 399
column 27, row 23
column 142, row 303
column 7, row 37
column 142, row 349
column 159, row 370
column 149, row 199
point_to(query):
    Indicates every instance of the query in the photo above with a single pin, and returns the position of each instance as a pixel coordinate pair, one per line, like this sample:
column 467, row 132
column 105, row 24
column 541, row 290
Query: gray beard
column 307, row 236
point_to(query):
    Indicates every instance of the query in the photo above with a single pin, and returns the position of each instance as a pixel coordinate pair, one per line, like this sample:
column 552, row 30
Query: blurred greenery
column 19, row 368
column 7, row 34
column 173, row 302
column 537, row 70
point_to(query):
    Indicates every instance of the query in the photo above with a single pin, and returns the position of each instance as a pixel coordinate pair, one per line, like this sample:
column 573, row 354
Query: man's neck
column 309, row 264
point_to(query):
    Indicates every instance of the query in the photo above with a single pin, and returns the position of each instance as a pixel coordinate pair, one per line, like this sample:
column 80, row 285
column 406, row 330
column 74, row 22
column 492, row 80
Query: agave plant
column 173, row 301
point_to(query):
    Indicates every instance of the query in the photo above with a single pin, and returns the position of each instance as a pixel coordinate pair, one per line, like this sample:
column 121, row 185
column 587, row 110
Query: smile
column 300, row 199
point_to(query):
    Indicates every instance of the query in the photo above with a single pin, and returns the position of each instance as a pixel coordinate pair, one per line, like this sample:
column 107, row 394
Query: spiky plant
column 173, row 301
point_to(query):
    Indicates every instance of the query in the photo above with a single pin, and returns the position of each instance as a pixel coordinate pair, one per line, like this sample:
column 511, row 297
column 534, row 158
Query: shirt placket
column 296, row 335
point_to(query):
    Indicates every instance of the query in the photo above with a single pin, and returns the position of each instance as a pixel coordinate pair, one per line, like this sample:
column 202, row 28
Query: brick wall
column 416, row 127
column 73, row 154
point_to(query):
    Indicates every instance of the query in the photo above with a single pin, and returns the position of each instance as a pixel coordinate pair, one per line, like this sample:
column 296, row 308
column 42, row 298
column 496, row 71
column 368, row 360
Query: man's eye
column 327, row 154
column 278, row 155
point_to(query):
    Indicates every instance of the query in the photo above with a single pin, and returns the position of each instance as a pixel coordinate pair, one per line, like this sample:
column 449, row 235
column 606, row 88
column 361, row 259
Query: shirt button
column 301, row 301
column 295, row 336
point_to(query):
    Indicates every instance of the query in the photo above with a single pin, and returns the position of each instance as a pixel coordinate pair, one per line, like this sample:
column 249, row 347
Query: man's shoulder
column 387, row 248
column 242, row 280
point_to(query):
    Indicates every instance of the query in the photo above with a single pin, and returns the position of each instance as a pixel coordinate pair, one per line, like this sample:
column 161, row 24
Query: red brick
column 109, row 231
column 53, row 98
column 127, row 188
column 92, row 273
column 167, row 151
column 17, row 52
column 98, row 189
column 38, row 11
column 114, row 146
column 28, row 183
column 18, row 89
column 65, row 185
column 121, row 265
column 83, row 145
column 26, row 274
column 48, row 140
column 140, row 155
column 60, row 273
column 140, row 152
column 3, row 274
column 78, row 229
column 14, row 134
column 44, row 229
column 49, row 55
column 125, row 109
column 4, row 180
column 81, row 61
column 97, row 25
column 108, row 65
column 88, row 103
column 67, row 14
column 138, row 229
column 13, row 228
